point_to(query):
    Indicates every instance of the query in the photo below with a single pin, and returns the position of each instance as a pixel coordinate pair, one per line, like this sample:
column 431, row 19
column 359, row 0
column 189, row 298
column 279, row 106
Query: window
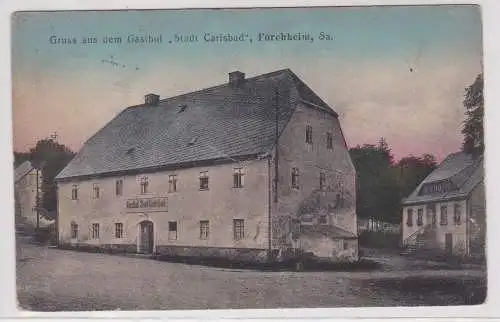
column 239, row 229
column 95, row 231
column 238, row 178
column 323, row 220
column 322, row 180
column 444, row 215
column 309, row 134
column 172, row 230
column 409, row 217
column 144, row 185
column 431, row 209
column 346, row 245
column 172, row 183
column 74, row 230
column 457, row 216
column 329, row 141
column 295, row 178
column 119, row 187
column 118, row 230
column 420, row 217
column 204, row 229
column 95, row 189
column 204, row 180
column 74, row 192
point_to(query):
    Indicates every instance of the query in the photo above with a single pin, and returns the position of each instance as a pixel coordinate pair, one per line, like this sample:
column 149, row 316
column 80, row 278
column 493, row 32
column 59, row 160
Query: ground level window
column 295, row 178
column 322, row 179
column 420, row 217
column 95, row 231
column 444, row 216
column 74, row 230
column 409, row 217
column 238, row 229
column 118, row 230
column 457, row 215
column 204, row 229
column 172, row 230
column 346, row 245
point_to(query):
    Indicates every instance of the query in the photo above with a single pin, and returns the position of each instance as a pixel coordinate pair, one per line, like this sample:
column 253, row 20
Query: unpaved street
column 51, row 280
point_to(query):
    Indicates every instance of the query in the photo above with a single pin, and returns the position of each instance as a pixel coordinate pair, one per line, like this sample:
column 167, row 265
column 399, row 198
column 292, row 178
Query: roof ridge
column 253, row 78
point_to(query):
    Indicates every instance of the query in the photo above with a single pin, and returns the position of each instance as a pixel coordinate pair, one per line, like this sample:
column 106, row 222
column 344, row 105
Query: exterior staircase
column 419, row 241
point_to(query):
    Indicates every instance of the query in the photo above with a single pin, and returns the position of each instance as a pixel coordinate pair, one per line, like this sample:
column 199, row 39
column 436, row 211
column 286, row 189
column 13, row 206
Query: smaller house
column 27, row 188
column 446, row 213
column 325, row 232
column 327, row 242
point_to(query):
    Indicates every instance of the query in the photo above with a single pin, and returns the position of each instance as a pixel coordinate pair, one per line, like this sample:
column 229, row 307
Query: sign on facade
column 146, row 204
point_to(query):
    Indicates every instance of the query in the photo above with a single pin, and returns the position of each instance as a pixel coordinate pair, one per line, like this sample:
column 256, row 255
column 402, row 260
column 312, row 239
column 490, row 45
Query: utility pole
column 276, row 169
column 37, row 204
column 275, row 199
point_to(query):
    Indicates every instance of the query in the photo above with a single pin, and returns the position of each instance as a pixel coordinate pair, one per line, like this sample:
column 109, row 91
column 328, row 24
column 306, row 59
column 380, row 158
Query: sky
column 393, row 72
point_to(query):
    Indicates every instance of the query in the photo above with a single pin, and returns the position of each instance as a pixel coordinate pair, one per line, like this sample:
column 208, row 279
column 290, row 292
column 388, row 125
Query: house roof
column 462, row 170
column 22, row 170
column 330, row 231
column 217, row 123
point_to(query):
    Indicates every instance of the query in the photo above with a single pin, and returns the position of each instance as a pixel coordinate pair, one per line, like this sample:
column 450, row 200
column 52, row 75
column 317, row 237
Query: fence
column 373, row 225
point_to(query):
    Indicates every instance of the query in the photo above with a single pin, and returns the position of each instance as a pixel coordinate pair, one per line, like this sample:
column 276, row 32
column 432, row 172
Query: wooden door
column 448, row 243
column 146, row 237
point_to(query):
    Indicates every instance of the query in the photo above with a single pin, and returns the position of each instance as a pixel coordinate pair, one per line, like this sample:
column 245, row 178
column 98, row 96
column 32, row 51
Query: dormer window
column 436, row 188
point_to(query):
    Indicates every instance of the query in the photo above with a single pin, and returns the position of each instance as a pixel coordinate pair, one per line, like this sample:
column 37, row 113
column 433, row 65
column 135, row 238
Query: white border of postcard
column 8, row 308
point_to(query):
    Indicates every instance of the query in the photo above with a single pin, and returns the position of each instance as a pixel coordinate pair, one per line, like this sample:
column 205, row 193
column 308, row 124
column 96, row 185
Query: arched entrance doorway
column 146, row 242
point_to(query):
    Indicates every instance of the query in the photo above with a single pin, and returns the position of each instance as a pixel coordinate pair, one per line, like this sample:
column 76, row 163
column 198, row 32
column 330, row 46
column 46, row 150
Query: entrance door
column 146, row 238
column 448, row 243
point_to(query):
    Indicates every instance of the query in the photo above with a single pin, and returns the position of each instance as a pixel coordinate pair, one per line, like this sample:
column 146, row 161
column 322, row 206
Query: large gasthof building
column 246, row 169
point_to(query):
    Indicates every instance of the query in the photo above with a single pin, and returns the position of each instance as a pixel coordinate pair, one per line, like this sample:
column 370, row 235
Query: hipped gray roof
column 217, row 123
column 462, row 170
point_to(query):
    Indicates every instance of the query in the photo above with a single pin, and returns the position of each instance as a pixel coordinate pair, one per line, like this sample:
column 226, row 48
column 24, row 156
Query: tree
column 382, row 183
column 20, row 157
column 412, row 171
column 376, row 188
column 51, row 157
column 473, row 129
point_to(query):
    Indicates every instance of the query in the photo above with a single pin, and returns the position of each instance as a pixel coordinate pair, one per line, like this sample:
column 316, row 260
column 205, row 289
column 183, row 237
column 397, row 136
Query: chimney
column 151, row 99
column 236, row 78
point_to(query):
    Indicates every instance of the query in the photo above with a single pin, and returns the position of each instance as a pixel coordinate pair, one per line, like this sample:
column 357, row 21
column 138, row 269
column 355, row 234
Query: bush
column 46, row 235
column 372, row 239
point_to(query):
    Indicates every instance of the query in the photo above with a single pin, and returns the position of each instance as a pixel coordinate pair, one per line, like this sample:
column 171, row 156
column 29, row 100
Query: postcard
column 259, row 158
